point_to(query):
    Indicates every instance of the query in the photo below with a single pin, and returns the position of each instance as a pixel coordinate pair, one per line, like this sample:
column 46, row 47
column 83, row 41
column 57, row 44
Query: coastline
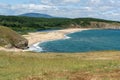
column 40, row 37
column 36, row 38
column 52, row 35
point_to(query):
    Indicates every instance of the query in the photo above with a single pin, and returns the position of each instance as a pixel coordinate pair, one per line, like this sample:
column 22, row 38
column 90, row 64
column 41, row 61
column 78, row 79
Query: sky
column 105, row 9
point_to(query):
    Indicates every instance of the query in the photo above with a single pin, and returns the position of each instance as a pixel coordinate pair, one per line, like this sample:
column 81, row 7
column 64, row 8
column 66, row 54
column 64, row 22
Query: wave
column 35, row 47
column 66, row 37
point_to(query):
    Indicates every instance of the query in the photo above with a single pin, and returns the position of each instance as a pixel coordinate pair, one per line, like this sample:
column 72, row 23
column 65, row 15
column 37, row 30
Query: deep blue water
column 85, row 41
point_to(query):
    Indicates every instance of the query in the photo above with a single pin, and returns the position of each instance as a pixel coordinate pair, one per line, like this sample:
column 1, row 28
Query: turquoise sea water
column 85, row 41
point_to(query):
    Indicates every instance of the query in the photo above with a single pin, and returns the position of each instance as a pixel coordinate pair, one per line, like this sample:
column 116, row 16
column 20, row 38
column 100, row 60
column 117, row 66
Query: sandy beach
column 45, row 36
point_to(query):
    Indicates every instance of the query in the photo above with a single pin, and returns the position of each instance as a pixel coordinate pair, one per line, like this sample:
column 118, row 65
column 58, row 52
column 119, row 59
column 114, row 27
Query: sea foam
column 66, row 37
column 35, row 47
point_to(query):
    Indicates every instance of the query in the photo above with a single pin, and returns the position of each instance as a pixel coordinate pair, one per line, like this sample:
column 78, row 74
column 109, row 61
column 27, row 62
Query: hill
column 37, row 15
column 9, row 39
column 27, row 24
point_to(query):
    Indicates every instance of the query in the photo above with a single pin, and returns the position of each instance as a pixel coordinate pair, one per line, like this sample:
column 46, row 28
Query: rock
column 22, row 44
column 8, row 46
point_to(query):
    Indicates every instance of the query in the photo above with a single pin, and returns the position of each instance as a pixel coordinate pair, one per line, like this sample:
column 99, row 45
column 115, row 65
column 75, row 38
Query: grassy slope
column 34, row 66
column 6, row 33
column 9, row 36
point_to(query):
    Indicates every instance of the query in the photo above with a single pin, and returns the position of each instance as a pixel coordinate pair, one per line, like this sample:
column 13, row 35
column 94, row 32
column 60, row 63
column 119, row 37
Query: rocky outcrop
column 22, row 44
column 9, row 38
column 105, row 25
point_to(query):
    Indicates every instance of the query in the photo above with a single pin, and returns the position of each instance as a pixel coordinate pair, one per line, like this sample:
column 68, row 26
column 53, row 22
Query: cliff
column 101, row 25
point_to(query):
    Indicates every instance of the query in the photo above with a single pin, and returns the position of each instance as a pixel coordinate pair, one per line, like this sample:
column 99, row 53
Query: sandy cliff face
column 9, row 38
column 97, row 25
column 105, row 25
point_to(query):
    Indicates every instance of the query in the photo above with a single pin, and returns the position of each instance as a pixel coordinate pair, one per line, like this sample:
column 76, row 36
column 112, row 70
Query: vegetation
column 27, row 24
column 103, row 65
column 10, row 38
column 51, row 66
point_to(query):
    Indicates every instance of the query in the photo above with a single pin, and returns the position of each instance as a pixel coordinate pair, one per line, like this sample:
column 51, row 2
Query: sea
column 83, row 41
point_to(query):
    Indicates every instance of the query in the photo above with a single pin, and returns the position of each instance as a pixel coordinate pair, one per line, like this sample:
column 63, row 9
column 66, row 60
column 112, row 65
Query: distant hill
column 37, row 15
column 24, row 25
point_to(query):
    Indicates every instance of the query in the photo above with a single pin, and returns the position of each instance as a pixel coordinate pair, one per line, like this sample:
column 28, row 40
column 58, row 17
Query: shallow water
column 85, row 41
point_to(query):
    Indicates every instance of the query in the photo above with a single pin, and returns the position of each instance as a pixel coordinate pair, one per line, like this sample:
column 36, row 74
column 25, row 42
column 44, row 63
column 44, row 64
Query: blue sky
column 106, row 9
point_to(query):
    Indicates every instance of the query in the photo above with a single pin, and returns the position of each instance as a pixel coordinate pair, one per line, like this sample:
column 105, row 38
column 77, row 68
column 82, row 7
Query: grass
column 10, row 38
column 103, row 65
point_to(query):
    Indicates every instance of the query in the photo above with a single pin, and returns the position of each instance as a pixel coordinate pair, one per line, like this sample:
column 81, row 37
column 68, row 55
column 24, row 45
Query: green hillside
column 9, row 38
column 27, row 24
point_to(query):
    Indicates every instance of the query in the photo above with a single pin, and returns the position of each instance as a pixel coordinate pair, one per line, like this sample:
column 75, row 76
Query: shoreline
column 51, row 36
column 37, row 38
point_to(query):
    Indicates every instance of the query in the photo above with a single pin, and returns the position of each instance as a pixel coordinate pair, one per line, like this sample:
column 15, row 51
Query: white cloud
column 88, row 8
column 33, row 7
column 71, row 1
column 112, row 13
column 95, row 1
column 48, row 2
column 65, row 8
column 4, row 6
column 105, row 8
column 112, row 1
column 115, row 14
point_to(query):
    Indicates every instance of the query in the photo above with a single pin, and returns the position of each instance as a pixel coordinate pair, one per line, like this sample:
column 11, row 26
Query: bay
column 85, row 41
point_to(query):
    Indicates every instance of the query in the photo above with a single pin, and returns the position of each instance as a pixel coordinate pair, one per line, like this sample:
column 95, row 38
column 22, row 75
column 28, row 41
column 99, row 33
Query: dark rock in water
column 9, row 38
